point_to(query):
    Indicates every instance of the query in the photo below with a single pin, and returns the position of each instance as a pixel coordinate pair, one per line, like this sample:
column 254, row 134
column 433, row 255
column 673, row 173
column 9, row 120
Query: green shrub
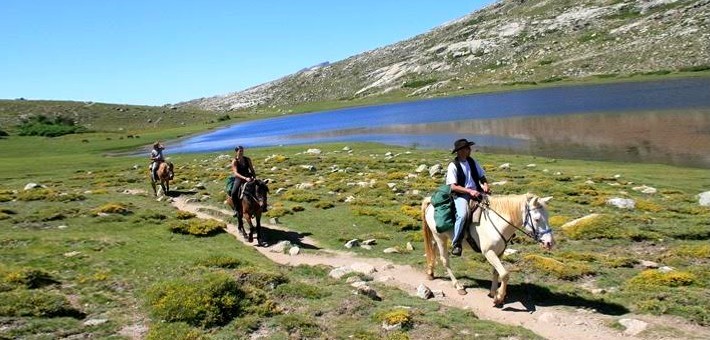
column 174, row 331
column 394, row 317
column 112, row 208
column 697, row 68
column 564, row 271
column 27, row 277
column 39, row 125
column 659, row 278
column 199, row 227
column 206, row 301
column 184, row 215
column 418, row 83
column 22, row 302
column 35, row 194
column 324, row 205
column 3, row 133
column 696, row 251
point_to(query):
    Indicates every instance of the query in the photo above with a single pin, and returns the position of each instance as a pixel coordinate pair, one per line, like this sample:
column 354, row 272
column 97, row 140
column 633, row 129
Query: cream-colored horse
column 501, row 217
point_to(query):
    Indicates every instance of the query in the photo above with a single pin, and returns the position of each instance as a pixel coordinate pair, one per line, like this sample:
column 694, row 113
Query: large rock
column 633, row 326
column 424, row 292
column 435, row 170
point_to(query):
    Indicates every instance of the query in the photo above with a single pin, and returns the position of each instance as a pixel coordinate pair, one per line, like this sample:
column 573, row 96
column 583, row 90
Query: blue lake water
column 553, row 122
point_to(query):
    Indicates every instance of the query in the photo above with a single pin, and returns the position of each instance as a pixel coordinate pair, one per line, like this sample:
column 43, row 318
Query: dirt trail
column 552, row 322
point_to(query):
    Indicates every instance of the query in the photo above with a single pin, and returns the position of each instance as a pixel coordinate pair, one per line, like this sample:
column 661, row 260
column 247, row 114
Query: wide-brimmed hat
column 460, row 144
column 158, row 145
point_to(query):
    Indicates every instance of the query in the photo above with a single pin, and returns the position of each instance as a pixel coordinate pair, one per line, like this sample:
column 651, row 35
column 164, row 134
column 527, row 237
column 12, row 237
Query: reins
column 485, row 205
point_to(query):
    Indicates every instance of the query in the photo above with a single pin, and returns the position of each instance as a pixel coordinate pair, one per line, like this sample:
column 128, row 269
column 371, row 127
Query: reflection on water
column 681, row 138
column 660, row 122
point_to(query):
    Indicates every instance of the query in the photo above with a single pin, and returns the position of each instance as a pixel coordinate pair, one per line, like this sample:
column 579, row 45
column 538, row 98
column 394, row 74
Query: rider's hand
column 249, row 179
column 486, row 188
column 473, row 193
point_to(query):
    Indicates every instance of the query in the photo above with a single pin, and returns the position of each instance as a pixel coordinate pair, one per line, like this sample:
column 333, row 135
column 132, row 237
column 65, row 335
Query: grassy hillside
column 92, row 245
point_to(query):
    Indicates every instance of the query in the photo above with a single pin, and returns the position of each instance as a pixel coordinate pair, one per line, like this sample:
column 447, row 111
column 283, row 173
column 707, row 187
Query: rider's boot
column 456, row 250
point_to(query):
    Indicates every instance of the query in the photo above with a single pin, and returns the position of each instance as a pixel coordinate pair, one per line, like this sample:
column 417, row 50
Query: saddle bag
column 444, row 210
column 229, row 185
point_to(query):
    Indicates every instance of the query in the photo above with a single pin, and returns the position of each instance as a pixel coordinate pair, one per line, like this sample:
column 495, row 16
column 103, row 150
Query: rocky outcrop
column 509, row 42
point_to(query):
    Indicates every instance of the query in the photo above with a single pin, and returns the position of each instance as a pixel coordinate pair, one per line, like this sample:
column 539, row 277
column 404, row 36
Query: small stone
column 391, row 251
column 410, row 247
column 424, row 292
column 294, row 251
column 352, row 243
column 95, row 322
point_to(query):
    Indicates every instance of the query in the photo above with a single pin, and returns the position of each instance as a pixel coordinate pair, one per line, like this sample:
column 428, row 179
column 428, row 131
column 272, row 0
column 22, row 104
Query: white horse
column 500, row 218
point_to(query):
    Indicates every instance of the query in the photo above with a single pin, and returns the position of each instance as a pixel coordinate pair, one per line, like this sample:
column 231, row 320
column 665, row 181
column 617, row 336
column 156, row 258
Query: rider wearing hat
column 468, row 181
column 156, row 157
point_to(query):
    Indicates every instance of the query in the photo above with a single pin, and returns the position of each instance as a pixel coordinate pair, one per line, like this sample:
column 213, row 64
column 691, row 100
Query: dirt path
column 552, row 322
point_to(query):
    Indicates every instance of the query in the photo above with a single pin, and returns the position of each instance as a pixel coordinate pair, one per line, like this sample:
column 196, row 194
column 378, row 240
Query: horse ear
column 533, row 202
column 545, row 199
column 266, row 181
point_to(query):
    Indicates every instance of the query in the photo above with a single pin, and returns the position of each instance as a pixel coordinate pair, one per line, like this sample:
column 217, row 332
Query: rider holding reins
column 156, row 157
column 468, row 181
column 243, row 171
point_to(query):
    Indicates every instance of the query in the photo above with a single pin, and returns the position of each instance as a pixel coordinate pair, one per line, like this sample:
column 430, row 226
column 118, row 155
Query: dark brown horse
column 165, row 175
column 253, row 204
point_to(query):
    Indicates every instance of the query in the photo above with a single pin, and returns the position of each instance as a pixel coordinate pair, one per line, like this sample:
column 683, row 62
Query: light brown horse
column 254, row 197
column 165, row 175
column 499, row 221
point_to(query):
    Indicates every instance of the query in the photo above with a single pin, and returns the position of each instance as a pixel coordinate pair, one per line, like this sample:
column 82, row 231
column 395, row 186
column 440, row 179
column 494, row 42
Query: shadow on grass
column 531, row 295
column 176, row 193
column 296, row 238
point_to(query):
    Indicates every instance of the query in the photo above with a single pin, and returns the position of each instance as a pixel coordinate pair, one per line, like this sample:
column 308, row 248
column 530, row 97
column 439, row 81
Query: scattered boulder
column 424, row 292
column 352, row 243
column 435, row 170
column 391, row 250
column 30, row 186
column 633, row 326
column 370, row 242
column 295, row 250
column 704, row 199
column 648, row 264
column 410, row 247
column 369, row 292
column 364, row 268
column 622, row 203
column 504, row 166
column 340, row 272
column 421, row 168
column 313, row 151
column 95, row 322
column 280, row 247
column 645, row 189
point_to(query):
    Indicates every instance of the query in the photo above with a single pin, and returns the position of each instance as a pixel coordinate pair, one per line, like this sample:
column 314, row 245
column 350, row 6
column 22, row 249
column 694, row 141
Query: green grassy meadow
column 93, row 244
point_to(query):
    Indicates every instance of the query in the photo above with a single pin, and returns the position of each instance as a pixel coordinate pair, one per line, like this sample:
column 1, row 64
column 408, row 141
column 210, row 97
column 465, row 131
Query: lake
column 658, row 122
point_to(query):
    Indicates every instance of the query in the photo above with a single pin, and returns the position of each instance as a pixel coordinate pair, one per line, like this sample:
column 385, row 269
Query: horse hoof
column 461, row 291
column 250, row 239
column 429, row 277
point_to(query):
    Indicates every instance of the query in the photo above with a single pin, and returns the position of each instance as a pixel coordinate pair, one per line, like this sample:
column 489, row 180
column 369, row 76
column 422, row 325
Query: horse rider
column 156, row 157
column 468, row 181
column 243, row 172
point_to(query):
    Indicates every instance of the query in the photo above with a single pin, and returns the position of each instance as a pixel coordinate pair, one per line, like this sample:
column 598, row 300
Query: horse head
column 536, row 221
column 170, row 171
column 262, row 191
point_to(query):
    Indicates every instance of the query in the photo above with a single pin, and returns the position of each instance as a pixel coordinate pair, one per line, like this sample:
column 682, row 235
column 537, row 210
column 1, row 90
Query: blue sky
column 159, row 52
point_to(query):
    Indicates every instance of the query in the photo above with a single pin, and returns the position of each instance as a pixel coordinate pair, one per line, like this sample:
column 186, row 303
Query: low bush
column 398, row 316
column 324, row 205
column 184, row 215
column 27, row 277
column 300, row 196
column 565, row 271
column 39, row 125
column 199, row 227
column 112, row 208
column 300, row 326
column 204, row 301
column 659, row 278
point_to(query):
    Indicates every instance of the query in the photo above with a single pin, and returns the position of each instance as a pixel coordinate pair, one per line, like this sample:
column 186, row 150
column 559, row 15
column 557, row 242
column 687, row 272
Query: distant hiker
column 156, row 157
column 242, row 171
column 468, row 181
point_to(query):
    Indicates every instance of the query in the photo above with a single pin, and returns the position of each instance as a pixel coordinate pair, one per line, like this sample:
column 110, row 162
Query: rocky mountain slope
column 509, row 42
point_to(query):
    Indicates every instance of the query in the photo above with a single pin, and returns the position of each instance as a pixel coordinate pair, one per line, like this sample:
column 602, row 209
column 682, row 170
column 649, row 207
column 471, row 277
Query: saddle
column 475, row 220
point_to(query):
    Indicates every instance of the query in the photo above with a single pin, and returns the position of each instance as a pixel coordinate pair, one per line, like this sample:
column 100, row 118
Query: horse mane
column 509, row 206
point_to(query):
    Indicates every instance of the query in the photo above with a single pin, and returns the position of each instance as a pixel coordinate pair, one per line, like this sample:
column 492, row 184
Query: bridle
column 536, row 235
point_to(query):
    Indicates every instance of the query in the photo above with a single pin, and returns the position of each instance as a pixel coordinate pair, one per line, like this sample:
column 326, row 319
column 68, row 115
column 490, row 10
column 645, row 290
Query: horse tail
column 429, row 249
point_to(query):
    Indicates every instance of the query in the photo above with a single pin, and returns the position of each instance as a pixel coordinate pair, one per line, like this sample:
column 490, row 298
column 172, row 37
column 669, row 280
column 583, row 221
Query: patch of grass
column 299, row 326
column 418, row 83
column 220, row 261
column 401, row 317
column 300, row 196
column 184, row 215
column 175, row 331
column 300, row 290
column 39, row 125
column 23, row 302
column 112, row 208
column 26, row 277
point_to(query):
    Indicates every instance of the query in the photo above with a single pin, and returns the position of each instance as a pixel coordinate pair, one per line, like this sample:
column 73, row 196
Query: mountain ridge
column 510, row 42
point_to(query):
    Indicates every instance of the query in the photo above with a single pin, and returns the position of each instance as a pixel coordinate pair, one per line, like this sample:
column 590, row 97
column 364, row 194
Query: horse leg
column 444, row 255
column 247, row 216
column 152, row 184
column 259, row 238
column 494, row 282
column 500, row 293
